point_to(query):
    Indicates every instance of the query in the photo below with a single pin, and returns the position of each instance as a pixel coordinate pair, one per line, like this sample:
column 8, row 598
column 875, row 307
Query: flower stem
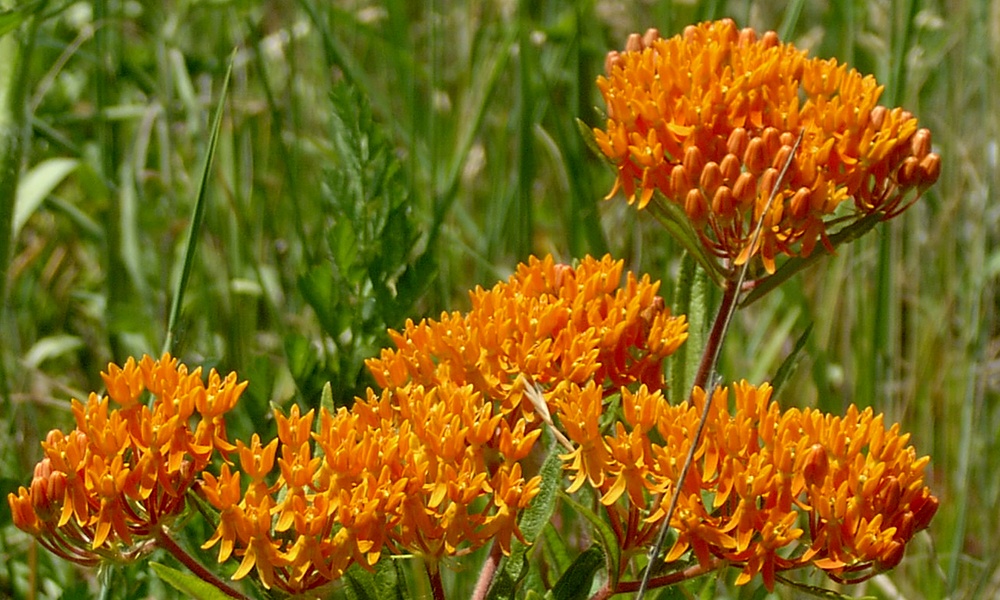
column 434, row 574
column 710, row 356
column 166, row 542
column 487, row 572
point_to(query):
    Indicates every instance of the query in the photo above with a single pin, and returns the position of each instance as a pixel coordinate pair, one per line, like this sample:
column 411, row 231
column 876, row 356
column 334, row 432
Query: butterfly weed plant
column 537, row 426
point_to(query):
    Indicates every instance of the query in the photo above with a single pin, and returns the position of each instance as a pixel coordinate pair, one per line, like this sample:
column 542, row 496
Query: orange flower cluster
column 760, row 474
column 104, row 488
column 709, row 118
column 550, row 323
column 431, row 465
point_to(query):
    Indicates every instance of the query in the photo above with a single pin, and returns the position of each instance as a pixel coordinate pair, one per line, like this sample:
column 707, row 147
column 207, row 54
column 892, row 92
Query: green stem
column 163, row 540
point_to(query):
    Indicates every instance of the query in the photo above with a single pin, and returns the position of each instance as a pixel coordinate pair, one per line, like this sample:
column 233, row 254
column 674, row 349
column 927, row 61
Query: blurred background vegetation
column 378, row 159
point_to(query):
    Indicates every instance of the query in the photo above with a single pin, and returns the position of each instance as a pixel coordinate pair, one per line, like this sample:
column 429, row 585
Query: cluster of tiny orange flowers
column 709, row 119
column 769, row 490
column 432, row 464
column 549, row 324
column 105, row 488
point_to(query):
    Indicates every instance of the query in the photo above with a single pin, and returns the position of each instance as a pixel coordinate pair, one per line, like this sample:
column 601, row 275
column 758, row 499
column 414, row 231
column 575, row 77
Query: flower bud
column 695, row 205
column 816, row 466
column 711, row 178
column 730, row 168
column 920, row 144
column 737, row 141
column 694, row 161
column 753, row 157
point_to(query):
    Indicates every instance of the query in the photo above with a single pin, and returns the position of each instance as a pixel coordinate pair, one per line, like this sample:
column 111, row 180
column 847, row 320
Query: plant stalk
column 163, row 540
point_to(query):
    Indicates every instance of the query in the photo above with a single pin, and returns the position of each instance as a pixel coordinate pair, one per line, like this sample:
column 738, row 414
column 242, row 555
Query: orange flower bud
column 920, row 143
column 711, row 178
column 753, row 158
column 737, row 141
column 816, row 465
column 694, row 161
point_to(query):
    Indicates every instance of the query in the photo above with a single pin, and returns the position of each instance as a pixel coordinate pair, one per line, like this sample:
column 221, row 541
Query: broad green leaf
column 605, row 536
column 186, row 583
column 577, row 582
column 36, row 185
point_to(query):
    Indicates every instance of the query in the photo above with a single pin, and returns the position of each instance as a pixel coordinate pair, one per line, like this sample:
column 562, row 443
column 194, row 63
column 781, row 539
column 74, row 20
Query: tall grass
column 476, row 105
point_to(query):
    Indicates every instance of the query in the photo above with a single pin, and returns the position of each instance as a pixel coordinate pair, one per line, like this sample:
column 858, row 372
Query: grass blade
column 198, row 214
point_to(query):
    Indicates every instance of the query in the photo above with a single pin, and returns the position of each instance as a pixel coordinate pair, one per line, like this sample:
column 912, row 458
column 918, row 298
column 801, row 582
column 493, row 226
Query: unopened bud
column 753, row 158
column 695, row 205
column 920, row 144
column 711, row 177
column 737, row 142
column 634, row 43
column 730, row 168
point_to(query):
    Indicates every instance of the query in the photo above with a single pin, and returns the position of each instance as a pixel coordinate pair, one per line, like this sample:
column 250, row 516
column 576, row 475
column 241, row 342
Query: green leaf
column 12, row 19
column 577, row 582
column 605, row 536
column 50, row 347
column 512, row 569
column 692, row 301
column 36, row 185
column 322, row 293
column 818, row 592
column 588, row 138
column 791, row 361
column 197, row 215
column 557, row 553
column 190, row 585
column 343, row 244
column 795, row 264
column 673, row 218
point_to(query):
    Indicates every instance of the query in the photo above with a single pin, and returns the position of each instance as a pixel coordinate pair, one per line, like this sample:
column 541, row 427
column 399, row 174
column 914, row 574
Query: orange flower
column 431, row 464
column 769, row 490
column 103, row 490
column 709, row 119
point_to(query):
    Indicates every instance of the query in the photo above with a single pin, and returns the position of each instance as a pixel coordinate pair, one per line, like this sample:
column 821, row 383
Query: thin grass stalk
column 197, row 215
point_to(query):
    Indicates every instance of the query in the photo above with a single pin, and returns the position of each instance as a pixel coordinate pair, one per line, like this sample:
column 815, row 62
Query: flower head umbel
column 105, row 487
column 431, row 465
column 709, row 118
column 769, row 491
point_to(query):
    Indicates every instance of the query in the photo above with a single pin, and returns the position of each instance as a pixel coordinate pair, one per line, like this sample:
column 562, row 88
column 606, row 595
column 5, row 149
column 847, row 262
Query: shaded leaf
column 186, row 583
column 605, row 536
column 36, row 185
column 578, row 580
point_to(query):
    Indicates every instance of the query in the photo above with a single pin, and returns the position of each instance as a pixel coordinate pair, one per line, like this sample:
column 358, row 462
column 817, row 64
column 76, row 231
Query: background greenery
column 378, row 159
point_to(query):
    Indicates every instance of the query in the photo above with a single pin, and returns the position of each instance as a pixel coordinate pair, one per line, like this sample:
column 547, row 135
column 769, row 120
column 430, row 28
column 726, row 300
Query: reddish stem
column 627, row 587
column 163, row 540
column 434, row 574
column 487, row 572
column 710, row 355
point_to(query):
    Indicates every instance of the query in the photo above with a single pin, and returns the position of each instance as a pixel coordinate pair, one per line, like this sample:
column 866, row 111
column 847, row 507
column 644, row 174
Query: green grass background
column 466, row 161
